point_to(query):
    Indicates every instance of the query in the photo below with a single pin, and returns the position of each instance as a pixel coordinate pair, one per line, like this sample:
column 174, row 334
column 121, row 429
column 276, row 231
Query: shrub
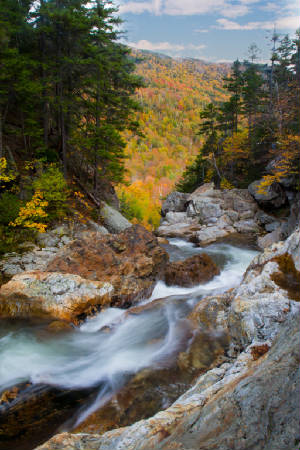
column 53, row 186
column 9, row 208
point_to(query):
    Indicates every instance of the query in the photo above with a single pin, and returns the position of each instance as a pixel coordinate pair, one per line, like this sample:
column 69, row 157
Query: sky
column 213, row 30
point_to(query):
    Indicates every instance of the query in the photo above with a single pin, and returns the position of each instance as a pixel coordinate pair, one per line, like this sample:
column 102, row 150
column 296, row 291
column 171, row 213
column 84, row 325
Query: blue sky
column 214, row 30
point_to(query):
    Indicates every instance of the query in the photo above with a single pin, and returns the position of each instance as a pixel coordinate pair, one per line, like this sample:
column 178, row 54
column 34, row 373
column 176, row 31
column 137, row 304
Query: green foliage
column 54, row 189
column 9, row 208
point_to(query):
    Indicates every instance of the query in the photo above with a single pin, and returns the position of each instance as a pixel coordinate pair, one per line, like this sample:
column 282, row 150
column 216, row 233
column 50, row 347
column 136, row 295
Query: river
column 108, row 348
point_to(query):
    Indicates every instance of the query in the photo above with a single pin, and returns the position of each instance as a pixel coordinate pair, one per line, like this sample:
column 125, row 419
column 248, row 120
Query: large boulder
column 194, row 270
column 175, row 202
column 86, row 274
column 113, row 219
column 131, row 261
column 271, row 196
column 53, row 296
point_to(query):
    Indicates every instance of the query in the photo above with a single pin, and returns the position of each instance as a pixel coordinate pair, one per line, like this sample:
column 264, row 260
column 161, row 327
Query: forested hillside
column 174, row 94
column 66, row 95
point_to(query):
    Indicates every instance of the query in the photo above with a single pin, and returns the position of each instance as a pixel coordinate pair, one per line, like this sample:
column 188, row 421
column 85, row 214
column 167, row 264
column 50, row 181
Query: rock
column 233, row 215
column 34, row 412
column 211, row 234
column 194, row 270
column 177, row 217
column 176, row 202
column 113, row 219
column 181, row 230
column 206, row 189
column 211, row 214
column 162, row 241
column 274, row 195
column 287, row 181
column 131, row 262
column 52, row 295
column 247, row 226
column 269, row 239
column 88, row 273
column 272, row 226
column 96, row 227
column 210, row 414
column 263, row 218
column 206, row 208
column 260, row 323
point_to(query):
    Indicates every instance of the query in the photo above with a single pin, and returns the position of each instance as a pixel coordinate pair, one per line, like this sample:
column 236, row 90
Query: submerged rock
column 194, row 270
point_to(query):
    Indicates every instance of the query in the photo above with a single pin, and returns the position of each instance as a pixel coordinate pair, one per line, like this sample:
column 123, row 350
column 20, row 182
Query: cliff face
column 249, row 402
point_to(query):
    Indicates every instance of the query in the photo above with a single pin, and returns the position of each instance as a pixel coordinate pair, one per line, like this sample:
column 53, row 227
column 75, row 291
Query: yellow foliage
column 288, row 153
column 5, row 174
column 209, row 174
column 31, row 214
column 236, row 147
column 225, row 184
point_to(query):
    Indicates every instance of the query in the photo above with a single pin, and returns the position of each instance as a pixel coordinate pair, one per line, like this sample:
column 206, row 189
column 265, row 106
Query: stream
column 109, row 348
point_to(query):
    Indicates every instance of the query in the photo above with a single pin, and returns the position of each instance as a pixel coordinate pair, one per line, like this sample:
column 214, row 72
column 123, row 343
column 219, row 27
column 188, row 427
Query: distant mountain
column 175, row 93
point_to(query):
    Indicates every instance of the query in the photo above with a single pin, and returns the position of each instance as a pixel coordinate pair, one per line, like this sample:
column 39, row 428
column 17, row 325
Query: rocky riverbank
column 210, row 214
column 248, row 402
column 238, row 350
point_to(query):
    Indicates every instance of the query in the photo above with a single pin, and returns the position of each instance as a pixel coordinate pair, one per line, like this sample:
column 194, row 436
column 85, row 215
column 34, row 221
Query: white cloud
column 140, row 7
column 201, row 30
column 233, row 11
column 155, row 46
column 187, row 7
column 164, row 46
column 190, row 7
column 284, row 23
column 287, row 23
column 226, row 24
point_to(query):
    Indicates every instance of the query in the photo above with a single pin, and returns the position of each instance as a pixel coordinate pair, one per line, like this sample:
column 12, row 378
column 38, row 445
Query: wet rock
column 52, row 295
column 176, row 202
column 274, row 195
column 260, row 323
column 127, row 264
column 34, row 412
column 211, row 234
column 113, row 219
column 210, row 414
column 194, row 270
column 131, row 262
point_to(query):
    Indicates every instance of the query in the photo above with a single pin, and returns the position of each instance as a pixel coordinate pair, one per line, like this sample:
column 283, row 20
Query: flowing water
column 112, row 346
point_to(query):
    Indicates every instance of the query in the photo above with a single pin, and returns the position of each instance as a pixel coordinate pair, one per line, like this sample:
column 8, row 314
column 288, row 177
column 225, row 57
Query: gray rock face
column 250, row 402
column 113, row 219
column 274, row 194
column 210, row 214
column 39, row 256
column 174, row 202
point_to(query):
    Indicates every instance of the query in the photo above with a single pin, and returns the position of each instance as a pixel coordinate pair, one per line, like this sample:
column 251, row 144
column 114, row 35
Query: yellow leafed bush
column 31, row 215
